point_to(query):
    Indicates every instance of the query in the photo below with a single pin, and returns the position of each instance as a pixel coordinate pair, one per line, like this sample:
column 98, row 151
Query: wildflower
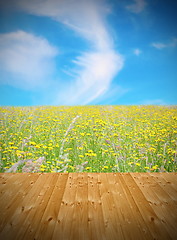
column 106, row 167
column 50, row 148
column 32, row 143
column 87, row 168
column 29, row 154
column 93, row 154
column 90, row 151
column 155, row 167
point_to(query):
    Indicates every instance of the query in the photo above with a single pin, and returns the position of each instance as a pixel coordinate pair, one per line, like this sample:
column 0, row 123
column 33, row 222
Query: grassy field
column 89, row 139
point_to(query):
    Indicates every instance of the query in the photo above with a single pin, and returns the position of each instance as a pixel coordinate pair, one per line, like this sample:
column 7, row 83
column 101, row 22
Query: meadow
column 88, row 139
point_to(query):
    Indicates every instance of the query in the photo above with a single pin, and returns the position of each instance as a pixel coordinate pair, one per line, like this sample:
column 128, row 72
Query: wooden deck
column 88, row 206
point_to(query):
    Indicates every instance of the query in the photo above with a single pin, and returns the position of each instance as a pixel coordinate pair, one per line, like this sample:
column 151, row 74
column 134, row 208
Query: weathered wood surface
column 86, row 206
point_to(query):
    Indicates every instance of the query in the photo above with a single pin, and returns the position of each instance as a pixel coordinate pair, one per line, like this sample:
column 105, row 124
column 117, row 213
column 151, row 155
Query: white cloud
column 154, row 102
column 137, row 51
column 137, row 7
column 83, row 16
column 94, row 75
column 95, row 69
column 160, row 45
column 25, row 59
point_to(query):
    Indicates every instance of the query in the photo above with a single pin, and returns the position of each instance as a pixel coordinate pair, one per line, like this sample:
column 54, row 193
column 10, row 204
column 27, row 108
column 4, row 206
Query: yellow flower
column 50, row 148
column 93, row 154
column 29, row 154
column 90, row 151
column 87, row 168
column 155, row 167
column 32, row 143
column 106, row 167
column 88, row 134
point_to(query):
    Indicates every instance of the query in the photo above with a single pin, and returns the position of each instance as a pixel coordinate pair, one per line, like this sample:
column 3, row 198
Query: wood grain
column 88, row 206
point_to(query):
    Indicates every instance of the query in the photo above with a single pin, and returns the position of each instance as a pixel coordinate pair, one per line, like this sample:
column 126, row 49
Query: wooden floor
column 88, row 206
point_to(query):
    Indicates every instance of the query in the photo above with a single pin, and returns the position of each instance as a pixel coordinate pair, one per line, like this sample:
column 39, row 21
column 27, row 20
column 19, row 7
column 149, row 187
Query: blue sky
column 79, row 52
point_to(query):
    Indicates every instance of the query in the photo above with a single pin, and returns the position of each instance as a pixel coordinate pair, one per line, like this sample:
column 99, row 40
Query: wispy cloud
column 137, row 6
column 26, row 60
column 94, row 74
column 154, row 102
column 137, row 51
column 94, row 69
column 160, row 45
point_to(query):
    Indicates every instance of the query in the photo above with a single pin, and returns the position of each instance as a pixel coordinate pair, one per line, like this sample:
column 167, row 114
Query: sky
column 88, row 52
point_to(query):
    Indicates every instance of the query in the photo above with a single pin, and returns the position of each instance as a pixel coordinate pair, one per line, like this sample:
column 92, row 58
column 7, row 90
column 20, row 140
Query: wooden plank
column 119, row 204
column 168, row 187
column 160, row 201
column 46, row 226
column 88, row 206
column 11, row 203
column 156, row 227
column 4, row 178
column 95, row 214
column 63, row 226
column 169, row 193
column 33, row 219
column 79, row 228
column 20, row 216
column 111, row 219
column 133, row 224
column 155, row 196
column 10, row 185
column 171, row 179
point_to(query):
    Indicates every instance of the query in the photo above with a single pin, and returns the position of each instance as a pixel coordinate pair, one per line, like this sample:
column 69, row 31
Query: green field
column 89, row 139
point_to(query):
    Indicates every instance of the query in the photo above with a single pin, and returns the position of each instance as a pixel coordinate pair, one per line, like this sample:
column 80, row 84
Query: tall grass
column 89, row 139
